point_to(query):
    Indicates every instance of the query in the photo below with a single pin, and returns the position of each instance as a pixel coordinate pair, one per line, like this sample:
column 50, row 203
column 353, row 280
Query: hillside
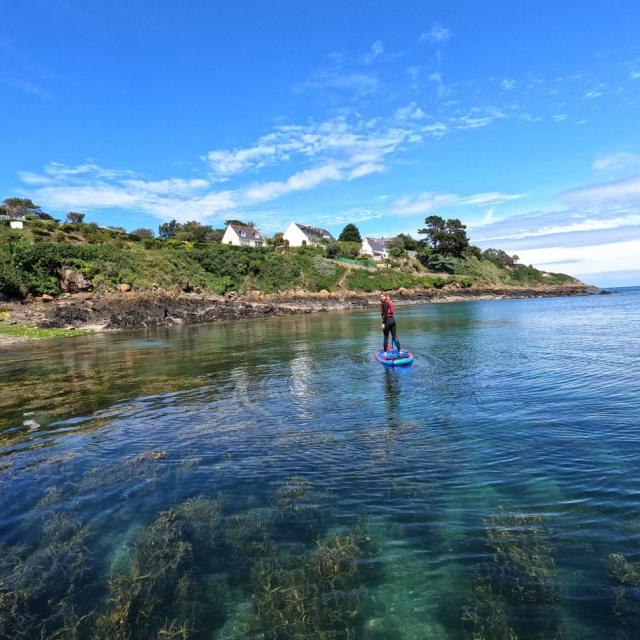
column 49, row 258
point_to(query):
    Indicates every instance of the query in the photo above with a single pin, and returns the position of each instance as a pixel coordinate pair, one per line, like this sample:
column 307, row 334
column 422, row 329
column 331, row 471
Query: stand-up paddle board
column 394, row 358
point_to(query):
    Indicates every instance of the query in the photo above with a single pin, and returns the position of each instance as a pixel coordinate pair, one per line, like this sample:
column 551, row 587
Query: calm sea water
column 491, row 490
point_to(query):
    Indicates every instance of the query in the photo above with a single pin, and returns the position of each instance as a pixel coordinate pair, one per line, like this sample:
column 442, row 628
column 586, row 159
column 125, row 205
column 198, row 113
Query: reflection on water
column 270, row 480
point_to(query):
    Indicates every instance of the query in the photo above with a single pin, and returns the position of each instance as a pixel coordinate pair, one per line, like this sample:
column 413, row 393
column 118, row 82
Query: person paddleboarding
column 388, row 321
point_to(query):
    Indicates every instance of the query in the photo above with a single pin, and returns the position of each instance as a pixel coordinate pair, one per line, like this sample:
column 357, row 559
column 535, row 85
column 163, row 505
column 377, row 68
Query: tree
column 191, row 231
column 332, row 249
column 278, row 241
column 447, row 238
column 23, row 207
column 73, row 217
column 240, row 223
column 396, row 248
column 441, row 263
column 168, row 229
column 500, row 257
column 473, row 251
column 350, row 234
column 408, row 242
column 142, row 232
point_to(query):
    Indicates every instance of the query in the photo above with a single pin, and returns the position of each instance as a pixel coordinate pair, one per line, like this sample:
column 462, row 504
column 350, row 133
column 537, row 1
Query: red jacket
column 387, row 310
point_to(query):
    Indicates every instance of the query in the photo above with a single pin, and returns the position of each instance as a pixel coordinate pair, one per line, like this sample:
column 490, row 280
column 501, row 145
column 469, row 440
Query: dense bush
column 441, row 263
column 381, row 280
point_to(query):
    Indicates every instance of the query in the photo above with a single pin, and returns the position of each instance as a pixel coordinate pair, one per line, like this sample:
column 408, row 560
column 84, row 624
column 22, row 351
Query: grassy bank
column 32, row 262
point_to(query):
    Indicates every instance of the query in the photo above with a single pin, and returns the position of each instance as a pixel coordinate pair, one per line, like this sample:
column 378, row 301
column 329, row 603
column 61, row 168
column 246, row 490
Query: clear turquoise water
column 518, row 422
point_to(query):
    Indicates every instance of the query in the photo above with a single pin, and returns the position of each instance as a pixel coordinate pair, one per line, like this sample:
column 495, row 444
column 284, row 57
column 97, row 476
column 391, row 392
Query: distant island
column 44, row 260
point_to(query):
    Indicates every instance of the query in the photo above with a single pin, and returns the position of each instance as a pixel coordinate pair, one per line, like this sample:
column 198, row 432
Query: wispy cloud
column 436, row 34
column 428, row 201
column 359, row 83
column 593, row 215
column 336, row 150
column 606, row 196
column 377, row 49
column 24, row 86
column 616, row 161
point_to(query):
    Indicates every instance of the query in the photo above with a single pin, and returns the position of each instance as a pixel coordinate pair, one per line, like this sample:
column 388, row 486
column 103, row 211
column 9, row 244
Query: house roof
column 379, row 244
column 249, row 232
column 314, row 233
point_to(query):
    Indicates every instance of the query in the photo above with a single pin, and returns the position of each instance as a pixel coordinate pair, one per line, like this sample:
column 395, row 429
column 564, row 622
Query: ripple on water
column 488, row 491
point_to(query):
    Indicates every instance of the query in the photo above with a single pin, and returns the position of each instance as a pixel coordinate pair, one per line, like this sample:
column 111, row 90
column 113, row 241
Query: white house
column 16, row 221
column 242, row 236
column 377, row 248
column 300, row 234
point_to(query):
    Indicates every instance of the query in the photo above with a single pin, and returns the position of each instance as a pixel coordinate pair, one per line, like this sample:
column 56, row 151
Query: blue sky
column 522, row 119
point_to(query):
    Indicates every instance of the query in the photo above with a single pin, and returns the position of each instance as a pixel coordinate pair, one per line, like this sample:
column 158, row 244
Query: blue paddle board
column 394, row 358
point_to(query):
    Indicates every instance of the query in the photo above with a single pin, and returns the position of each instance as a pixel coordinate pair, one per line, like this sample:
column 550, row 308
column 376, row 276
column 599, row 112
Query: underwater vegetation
column 196, row 566
column 298, row 508
column 626, row 578
column 40, row 589
column 523, row 570
column 165, row 592
column 487, row 617
column 314, row 595
column 520, row 582
column 129, row 472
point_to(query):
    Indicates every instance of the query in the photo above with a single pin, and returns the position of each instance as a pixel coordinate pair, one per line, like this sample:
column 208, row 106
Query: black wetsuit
column 389, row 323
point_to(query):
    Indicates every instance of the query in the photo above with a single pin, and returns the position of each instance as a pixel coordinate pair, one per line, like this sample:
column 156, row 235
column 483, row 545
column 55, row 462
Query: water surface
column 479, row 493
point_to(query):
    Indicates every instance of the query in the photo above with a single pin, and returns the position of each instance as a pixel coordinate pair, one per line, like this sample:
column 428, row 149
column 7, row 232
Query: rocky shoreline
column 134, row 310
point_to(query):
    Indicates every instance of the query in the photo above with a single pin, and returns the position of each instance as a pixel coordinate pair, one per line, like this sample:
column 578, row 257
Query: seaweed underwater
column 273, row 567
column 626, row 591
column 520, row 584
column 166, row 592
column 41, row 588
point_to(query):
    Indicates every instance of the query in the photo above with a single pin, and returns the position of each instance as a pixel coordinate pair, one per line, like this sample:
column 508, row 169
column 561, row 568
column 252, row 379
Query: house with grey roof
column 298, row 235
column 243, row 236
column 377, row 248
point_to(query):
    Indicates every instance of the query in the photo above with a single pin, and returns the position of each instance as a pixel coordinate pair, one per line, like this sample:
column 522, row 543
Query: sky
column 520, row 118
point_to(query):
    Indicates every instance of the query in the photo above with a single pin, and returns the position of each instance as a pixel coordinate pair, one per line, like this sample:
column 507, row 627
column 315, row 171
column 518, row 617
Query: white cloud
column 508, row 84
column 617, row 256
column 411, row 112
column 359, row 83
column 635, row 75
column 616, row 161
column 429, row 201
column 437, row 33
column 491, row 197
column 421, row 204
column 593, row 93
column 604, row 196
column 377, row 49
column 413, row 72
column 301, row 181
column 559, row 117
column 228, row 163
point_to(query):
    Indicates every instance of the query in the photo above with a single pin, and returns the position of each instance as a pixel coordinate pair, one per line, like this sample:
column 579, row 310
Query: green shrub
column 441, row 263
